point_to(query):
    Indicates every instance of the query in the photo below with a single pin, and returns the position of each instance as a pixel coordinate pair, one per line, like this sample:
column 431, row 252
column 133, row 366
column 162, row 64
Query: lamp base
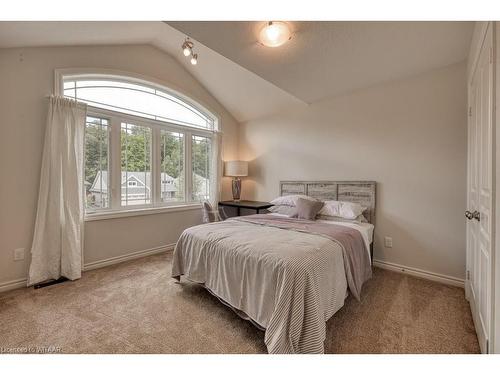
column 236, row 187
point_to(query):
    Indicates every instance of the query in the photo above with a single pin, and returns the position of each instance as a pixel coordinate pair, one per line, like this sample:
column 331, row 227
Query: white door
column 479, row 202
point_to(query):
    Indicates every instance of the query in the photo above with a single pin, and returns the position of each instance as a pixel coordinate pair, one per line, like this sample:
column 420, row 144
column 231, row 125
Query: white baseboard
column 20, row 283
column 129, row 256
column 13, row 284
column 440, row 278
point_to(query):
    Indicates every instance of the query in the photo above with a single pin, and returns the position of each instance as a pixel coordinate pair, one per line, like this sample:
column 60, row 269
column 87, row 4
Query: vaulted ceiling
column 328, row 58
column 250, row 80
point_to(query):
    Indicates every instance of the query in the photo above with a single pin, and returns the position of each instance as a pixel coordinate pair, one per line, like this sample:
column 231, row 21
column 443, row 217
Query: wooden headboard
column 362, row 192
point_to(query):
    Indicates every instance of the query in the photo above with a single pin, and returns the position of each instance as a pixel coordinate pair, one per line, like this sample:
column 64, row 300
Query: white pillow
column 345, row 210
column 290, row 200
column 359, row 219
column 283, row 210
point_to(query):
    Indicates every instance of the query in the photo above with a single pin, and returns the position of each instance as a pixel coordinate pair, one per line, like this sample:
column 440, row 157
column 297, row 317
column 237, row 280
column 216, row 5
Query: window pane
column 96, row 163
column 201, row 158
column 137, row 100
column 172, row 166
column 136, row 164
column 69, row 85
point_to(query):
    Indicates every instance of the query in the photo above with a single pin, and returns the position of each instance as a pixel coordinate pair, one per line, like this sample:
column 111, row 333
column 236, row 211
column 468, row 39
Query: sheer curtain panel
column 216, row 175
column 57, row 241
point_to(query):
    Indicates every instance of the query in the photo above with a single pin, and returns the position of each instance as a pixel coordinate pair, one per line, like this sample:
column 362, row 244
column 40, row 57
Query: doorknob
column 476, row 215
column 468, row 215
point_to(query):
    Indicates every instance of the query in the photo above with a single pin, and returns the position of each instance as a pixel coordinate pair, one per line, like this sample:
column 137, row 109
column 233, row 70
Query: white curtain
column 57, row 241
column 217, row 169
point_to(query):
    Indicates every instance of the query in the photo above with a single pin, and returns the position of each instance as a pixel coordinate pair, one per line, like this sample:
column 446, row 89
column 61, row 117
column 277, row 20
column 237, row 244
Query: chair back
column 222, row 213
column 209, row 215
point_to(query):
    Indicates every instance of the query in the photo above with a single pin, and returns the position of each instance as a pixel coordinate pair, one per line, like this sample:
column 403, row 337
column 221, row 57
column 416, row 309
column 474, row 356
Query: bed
column 287, row 276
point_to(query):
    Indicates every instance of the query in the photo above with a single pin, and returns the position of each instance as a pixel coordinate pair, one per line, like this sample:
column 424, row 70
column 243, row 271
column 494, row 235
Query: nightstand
column 252, row 205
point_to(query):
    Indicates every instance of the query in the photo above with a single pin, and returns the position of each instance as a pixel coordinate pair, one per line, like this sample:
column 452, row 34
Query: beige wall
column 408, row 135
column 26, row 77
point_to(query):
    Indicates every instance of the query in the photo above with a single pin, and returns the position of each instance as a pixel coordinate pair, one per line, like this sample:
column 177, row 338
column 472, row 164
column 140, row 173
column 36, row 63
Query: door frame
column 478, row 41
column 495, row 293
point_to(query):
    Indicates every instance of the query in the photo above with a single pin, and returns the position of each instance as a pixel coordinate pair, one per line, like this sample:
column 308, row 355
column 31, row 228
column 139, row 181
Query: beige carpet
column 135, row 307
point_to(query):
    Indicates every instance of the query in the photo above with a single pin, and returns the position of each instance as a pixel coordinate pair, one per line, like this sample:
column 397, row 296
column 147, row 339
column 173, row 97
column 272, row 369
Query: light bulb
column 275, row 34
column 272, row 33
column 186, row 51
column 194, row 59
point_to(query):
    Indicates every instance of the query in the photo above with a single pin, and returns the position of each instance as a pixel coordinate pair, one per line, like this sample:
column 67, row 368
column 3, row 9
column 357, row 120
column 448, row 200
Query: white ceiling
column 250, row 80
column 244, row 94
column 328, row 58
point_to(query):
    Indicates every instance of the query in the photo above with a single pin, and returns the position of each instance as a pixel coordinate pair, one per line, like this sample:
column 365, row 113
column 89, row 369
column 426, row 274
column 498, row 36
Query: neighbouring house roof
column 143, row 179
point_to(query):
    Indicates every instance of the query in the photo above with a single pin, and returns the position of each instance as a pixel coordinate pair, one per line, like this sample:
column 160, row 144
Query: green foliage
column 201, row 147
column 136, row 148
column 201, row 150
column 96, row 152
column 172, row 154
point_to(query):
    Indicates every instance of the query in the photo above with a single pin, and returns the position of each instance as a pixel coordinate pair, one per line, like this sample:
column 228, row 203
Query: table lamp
column 236, row 169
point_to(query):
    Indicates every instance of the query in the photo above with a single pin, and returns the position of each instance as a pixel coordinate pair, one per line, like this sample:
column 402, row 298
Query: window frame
column 115, row 120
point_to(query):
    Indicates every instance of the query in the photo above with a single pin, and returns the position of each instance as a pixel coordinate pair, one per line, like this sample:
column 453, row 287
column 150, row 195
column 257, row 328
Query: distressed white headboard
column 362, row 192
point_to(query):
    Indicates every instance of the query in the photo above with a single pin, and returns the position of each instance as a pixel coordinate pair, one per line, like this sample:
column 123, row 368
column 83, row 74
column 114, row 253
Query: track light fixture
column 187, row 47
column 187, row 50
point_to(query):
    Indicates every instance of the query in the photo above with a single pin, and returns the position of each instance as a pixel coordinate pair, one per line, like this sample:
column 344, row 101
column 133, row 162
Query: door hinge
column 487, row 346
column 470, row 111
column 468, row 275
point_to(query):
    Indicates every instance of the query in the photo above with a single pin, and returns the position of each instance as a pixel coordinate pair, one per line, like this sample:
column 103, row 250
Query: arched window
column 145, row 145
column 143, row 100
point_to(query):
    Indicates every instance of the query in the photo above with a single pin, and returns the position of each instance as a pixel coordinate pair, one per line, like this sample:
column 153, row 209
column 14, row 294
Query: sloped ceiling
column 328, row 58
column 244, row 94
column 250, row 80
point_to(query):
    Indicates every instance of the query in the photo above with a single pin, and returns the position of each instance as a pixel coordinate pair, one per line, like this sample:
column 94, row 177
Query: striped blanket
column 289, row 276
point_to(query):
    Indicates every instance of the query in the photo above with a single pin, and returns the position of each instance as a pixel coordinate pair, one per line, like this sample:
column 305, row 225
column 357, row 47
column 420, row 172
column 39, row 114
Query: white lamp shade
column 236, row 168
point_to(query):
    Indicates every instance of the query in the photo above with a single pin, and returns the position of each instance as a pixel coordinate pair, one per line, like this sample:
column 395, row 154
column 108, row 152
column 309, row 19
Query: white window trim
column 114, row 214
column 115, row 117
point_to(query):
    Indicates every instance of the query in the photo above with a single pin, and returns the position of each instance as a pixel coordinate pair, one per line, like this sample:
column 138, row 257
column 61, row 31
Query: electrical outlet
column 388, row 242
column 19, row 254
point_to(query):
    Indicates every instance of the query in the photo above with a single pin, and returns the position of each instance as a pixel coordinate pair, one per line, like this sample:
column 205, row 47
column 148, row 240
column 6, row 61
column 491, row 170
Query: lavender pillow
column 307, row 209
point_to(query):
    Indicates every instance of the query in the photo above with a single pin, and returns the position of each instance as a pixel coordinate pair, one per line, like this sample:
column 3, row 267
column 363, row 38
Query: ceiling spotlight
column 194, row 59
column 187, row 47
column 274, row 34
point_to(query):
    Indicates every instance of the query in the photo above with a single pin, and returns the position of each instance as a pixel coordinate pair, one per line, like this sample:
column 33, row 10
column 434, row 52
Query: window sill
column 105, row 215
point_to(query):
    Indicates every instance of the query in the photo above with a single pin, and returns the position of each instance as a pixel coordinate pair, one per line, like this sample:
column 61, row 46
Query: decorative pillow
column 307, row 209
column 283, row 210
column 346, row 210
column 290, row 200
